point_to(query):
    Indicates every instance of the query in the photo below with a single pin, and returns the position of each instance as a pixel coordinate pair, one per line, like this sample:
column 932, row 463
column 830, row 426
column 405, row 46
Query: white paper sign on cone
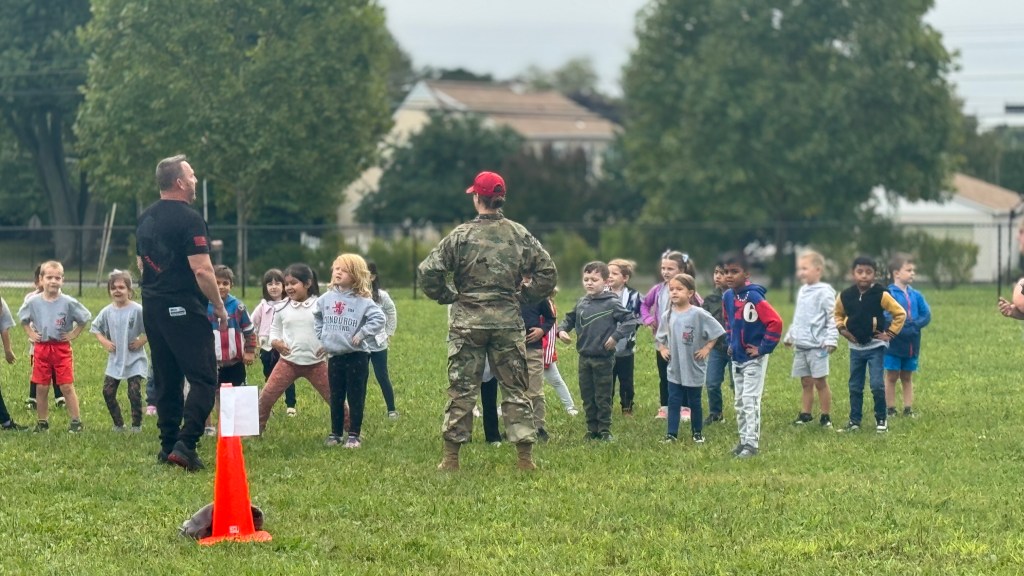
column 239, row 411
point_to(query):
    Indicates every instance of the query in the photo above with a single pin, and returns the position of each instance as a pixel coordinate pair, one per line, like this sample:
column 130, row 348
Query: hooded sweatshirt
column 752, row 322
column 341, row 314
column 814, row 321
column 595, row 318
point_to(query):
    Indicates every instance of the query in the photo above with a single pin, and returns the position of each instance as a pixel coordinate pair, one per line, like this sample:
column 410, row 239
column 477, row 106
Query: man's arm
column 202, row 267
column 434, row 274
column 543, row 275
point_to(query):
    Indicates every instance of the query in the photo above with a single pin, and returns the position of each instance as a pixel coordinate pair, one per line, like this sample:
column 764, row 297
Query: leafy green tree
column 425, row 179
column 576, row 76
column 768, row 113
column 20, row 190
column 42, row 65
column 279, row 102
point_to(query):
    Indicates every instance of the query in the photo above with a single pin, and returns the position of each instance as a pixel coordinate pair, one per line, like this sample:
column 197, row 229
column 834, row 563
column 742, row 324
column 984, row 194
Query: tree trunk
column 41, row 132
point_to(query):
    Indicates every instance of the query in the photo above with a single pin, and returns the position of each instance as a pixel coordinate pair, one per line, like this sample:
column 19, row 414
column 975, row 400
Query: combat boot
column 450, row 461
column 525, row 461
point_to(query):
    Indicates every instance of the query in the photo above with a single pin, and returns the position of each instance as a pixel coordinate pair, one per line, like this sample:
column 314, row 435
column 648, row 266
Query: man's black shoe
column 187, row 459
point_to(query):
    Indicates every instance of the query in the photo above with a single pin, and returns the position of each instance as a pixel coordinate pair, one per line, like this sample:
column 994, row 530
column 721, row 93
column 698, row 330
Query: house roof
column 995, row 198
column 547, row 115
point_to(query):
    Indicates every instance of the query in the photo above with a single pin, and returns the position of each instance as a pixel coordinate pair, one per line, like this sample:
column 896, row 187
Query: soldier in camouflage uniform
column 494, row 264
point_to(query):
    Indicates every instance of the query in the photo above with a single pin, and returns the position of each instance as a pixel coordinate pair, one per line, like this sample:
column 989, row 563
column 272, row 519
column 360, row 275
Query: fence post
column 81, row 257
column 413, row 258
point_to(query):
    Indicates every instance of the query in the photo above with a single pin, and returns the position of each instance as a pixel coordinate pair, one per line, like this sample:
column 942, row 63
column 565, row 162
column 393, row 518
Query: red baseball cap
column 486, row 184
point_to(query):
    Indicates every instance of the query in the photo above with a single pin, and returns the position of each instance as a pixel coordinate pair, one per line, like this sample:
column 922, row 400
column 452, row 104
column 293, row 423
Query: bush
column 946, row 262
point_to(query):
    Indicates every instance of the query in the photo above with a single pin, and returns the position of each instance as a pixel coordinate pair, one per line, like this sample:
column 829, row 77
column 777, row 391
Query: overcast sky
column 503, row 37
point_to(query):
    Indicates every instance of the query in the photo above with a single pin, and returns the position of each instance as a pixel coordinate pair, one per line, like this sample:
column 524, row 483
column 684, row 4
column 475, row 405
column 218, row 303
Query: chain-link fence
column 948, row 253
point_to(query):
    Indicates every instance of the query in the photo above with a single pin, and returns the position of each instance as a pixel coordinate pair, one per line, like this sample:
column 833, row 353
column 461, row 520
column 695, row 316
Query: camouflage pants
column 505, row 349
column 134, row 399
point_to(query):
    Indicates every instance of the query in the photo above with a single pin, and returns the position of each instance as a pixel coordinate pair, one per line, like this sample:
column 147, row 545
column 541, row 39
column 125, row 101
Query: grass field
column 940, row 494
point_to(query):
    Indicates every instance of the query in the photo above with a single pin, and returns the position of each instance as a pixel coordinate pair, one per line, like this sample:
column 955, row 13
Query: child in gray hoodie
column 600, row 322
column 814, row 336
column 345, row 318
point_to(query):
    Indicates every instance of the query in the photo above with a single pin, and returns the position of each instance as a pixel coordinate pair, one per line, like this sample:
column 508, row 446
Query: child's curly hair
column 357, row 268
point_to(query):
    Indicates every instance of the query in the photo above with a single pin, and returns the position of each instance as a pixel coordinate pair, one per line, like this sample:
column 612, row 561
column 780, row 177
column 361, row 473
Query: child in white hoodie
column 814, row 336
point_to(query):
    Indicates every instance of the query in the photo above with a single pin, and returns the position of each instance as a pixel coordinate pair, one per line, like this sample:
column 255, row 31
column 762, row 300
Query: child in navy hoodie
column 753, row 331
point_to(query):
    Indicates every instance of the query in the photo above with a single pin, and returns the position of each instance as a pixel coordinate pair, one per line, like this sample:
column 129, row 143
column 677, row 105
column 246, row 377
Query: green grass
column 940, row 494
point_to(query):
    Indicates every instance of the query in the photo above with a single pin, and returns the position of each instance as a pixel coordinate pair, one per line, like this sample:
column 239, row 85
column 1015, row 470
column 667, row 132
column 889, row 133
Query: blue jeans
column 718, row 365
column 869, row 362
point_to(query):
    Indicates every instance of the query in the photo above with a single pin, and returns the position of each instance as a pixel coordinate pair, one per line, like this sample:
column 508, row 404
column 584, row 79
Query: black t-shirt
column 169, row 232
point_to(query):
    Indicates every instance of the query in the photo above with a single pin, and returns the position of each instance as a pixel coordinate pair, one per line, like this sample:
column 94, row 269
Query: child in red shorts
column 52, row 320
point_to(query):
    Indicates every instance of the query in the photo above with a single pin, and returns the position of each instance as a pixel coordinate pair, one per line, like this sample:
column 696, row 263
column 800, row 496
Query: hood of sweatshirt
column 742, row 292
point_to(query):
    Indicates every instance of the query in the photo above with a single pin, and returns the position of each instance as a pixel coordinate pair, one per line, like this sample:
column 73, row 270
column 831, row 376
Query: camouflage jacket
column 479, row 268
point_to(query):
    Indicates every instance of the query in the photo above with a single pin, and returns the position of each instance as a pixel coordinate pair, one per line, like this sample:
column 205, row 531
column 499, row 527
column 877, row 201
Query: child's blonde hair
column 50, row 264
column 359, row 271
column 625, row 267
column 123, row 276
column 817, row 260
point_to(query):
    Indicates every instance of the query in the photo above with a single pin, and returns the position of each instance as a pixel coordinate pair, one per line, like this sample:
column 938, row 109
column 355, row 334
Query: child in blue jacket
column 901, row 359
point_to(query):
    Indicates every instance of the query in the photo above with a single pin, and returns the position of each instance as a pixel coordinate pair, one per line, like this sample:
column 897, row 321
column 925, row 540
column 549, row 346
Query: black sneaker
column 851, row 426
column 712, row 418
column 668, row 439
column 881, row 426
column 184, row 457
column 161, row 458
column 12, row 426
column 606, row 437
column 698, row 438
column 891, row 412
column 908, row 412
column 803, row 418
column 542, row 436
column 627, row 410
column 61, row 402
column 737, row 449
column 825, row 421
column 75, row 427
column 42, row 426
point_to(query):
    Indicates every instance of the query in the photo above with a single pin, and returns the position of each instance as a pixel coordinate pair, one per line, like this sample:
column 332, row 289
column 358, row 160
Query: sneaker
column 737, row 449
column 851, row 426
column 591, row 436
column 627, row 410
column 150, row 410
column 185, row 457
column 908, row 412
column 12, row 426
column 332, row 440
column 747, row 451
column 353, row 442
column 684, row 414
column 135, row 429
column 662, row 413
column 291, row 412
column 891, row 412
column 495, row 443
column 542, row 436
column 606, row 437
column 75, row 427
column 30, row 404
column 116, row 428
column 161, row 457
column 881, row 426
column 572, row 412
column 803, row 418
column 476, row 411
column 713, row 417
column 393, row 414
column 825, row 421
column 210, row 431
column 42, row 426
column 698, row 438
column 668, row 439
column 61, row 402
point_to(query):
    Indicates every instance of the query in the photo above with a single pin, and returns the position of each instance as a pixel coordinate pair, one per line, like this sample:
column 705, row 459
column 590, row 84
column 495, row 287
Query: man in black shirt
column 173, row 249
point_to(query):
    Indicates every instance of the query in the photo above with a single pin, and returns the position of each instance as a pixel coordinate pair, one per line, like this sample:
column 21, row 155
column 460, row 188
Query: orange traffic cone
column 232, row 510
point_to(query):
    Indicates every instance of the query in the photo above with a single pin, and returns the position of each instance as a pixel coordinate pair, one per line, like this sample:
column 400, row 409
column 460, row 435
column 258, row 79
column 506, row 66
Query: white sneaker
column 684, row 414
column 572, row 412
column 662, row 413
column 150, row 410
column 210, row 431
column 476, row 411
column 291, row 412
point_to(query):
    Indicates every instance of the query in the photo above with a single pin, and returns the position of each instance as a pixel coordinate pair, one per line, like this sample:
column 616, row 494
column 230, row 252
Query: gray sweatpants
column 749, row 381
